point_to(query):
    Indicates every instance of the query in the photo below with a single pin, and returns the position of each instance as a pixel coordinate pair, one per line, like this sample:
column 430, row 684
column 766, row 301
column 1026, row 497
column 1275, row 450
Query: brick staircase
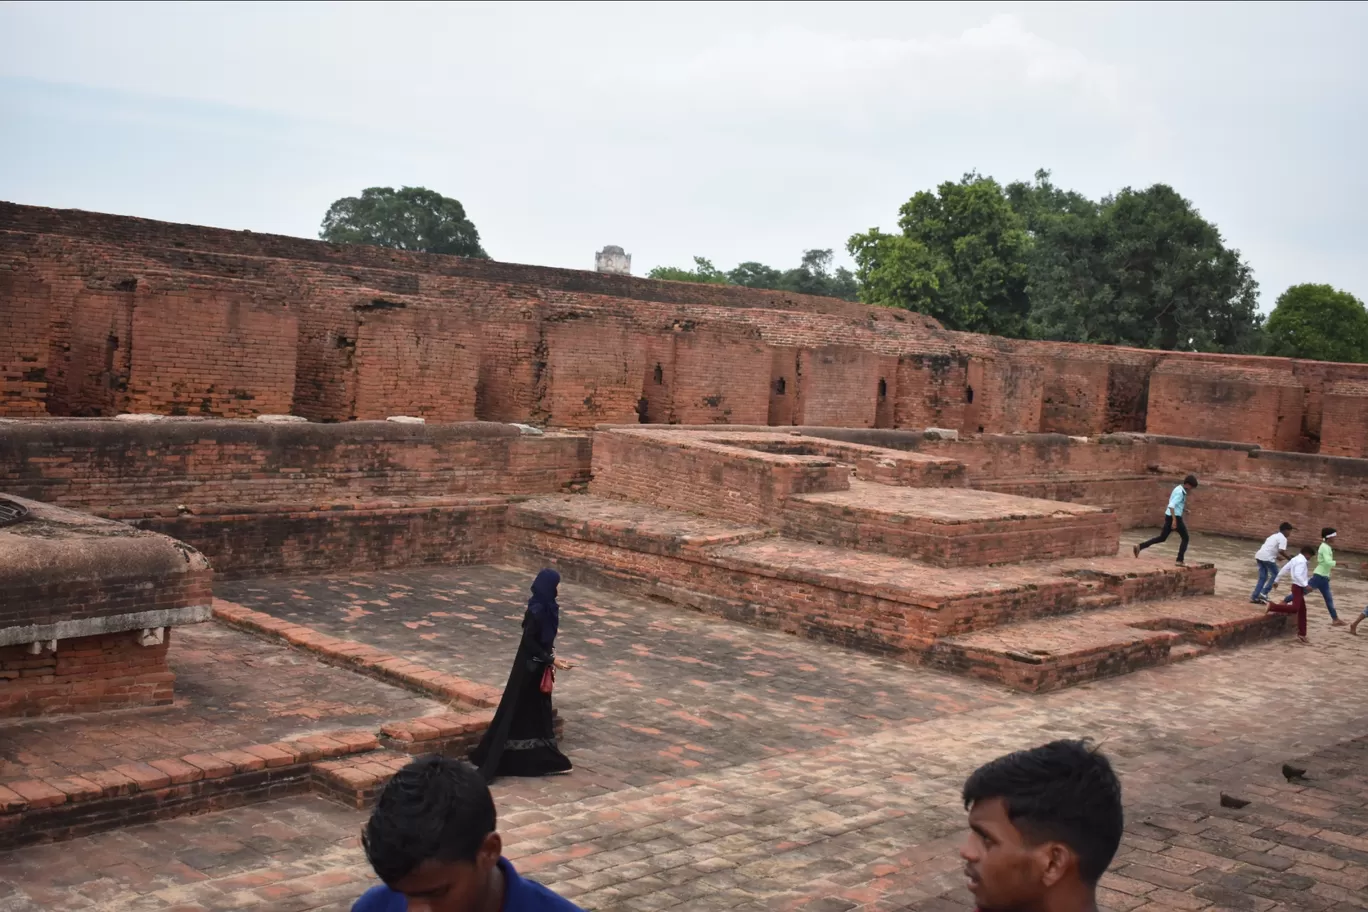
column 1024, row 592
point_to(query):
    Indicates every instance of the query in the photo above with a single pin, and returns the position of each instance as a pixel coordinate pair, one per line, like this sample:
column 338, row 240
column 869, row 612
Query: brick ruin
column 847, row 474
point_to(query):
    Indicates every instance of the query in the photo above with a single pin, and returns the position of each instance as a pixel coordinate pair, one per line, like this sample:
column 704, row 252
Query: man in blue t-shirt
column 1173, row 518
column 432, row 840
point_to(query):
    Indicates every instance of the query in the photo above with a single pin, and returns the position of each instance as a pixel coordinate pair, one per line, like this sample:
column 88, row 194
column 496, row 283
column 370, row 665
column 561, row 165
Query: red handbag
column 548, row 679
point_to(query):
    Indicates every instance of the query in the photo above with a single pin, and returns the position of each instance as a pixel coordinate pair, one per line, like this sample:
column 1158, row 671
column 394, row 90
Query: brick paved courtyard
column 722, row 767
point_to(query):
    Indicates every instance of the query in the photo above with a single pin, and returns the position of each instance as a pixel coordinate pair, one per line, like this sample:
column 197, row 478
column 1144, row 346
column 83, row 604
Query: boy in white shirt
column 1300, row 570
column 1274, row 550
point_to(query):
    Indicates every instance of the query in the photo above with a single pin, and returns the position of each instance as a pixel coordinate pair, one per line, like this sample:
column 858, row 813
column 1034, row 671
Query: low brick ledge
column 359, row 656
column 348, row 765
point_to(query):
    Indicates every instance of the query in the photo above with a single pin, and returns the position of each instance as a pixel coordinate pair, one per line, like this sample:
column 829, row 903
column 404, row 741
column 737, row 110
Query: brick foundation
column 85, row 674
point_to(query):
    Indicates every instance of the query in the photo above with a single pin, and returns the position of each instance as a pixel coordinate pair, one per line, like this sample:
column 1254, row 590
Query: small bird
column 1292, row 774
column 1229, row 801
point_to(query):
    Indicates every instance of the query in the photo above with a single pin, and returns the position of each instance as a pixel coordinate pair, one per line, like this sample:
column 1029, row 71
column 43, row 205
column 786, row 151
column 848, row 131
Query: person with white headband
column 1320, row 580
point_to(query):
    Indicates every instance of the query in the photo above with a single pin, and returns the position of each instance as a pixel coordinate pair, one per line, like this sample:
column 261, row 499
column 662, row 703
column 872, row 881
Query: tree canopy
column 961, row 258
column 410, row 218
column 814, row 275
column 1319, row 322
column 1141, row 267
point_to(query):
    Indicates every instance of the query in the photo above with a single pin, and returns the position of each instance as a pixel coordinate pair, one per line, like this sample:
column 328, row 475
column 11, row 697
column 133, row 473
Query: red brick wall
column 1212, row 401
column 512, row 364
column 98, row 361
column 422, row 363
column 1075, row 396
column 363, row 537
column 129, row 469
column 86, row 674
column 719, row 380
column 783, row 390
column 1007, row 395
column 930, row 391
column 24, row 342
column 837, row 387
column 1344, row 423
column 204, row 354
column 736, row 484
column 593, row 372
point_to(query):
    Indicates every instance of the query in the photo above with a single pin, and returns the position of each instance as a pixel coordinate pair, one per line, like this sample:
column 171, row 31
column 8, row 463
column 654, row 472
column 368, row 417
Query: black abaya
column 521, row 741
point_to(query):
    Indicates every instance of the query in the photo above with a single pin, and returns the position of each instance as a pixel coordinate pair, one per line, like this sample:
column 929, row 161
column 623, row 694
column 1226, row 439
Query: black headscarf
column 542, row 605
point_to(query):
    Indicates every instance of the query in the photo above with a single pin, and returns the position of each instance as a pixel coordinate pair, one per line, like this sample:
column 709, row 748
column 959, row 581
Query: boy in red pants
column 1299, row 569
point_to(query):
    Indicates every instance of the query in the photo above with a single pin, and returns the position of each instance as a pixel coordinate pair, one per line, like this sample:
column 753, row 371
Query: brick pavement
column 723, row 767
column 231, row 690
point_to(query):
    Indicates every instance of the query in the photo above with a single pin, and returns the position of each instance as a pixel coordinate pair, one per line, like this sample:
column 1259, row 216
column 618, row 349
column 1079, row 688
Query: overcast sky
column 734, row 131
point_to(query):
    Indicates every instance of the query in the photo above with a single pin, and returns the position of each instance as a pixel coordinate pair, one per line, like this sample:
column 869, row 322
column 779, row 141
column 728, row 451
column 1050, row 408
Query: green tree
column 1145, row 269
column 704, row 271
column 961, row 258
column 1319, row 322
column 410, row 218
column 814, row 275
column 755, row 275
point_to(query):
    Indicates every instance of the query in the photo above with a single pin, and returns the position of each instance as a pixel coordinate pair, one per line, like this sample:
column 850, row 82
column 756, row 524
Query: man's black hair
column 1308, row 550
column 433, row 809
column 1190, row 480
column 1285, row 527
column 1064, row 791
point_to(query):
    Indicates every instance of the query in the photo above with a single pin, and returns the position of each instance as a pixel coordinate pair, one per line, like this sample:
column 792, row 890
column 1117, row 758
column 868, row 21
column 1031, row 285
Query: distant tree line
column 1029, row 260
column 813, row 275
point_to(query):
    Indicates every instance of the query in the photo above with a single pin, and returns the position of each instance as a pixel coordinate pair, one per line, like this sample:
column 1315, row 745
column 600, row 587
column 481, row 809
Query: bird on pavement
column 1293, row 774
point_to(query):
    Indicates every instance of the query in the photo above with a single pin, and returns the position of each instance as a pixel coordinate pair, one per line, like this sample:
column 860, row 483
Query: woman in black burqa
column 520, row 741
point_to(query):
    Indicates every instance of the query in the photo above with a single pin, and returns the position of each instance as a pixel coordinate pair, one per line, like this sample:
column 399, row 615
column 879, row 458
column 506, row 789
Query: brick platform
column 873, row 602
column 950, row 527
column 253, row 724
column 87, row 610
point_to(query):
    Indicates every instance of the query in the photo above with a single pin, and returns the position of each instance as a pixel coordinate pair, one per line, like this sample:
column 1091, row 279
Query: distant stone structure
column 613, row 260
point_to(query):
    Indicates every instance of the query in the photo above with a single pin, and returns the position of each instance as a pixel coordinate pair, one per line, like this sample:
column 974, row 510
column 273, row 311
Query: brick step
column 356, row 781
column 1049, row 654
column 950, row 527
column 874, row 602
column 56, row 809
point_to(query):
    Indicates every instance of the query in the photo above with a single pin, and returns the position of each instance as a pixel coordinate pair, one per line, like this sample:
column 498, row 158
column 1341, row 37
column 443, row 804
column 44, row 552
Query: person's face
column 452, row 886
column 1004, row 871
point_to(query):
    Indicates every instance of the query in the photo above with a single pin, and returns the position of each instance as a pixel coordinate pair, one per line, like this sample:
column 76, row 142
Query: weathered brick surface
column 105, row 465
column 90, row 673
column 1343, row 427
column 706, row 377
column 237, row 361
column 24, row 340
column 838, row 386
column 425, row 364
column 1220, row 402
column 62, row 567
column 949, row 527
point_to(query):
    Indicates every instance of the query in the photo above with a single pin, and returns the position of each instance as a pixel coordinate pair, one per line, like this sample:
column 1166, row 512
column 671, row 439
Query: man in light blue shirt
column 1173, row 519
